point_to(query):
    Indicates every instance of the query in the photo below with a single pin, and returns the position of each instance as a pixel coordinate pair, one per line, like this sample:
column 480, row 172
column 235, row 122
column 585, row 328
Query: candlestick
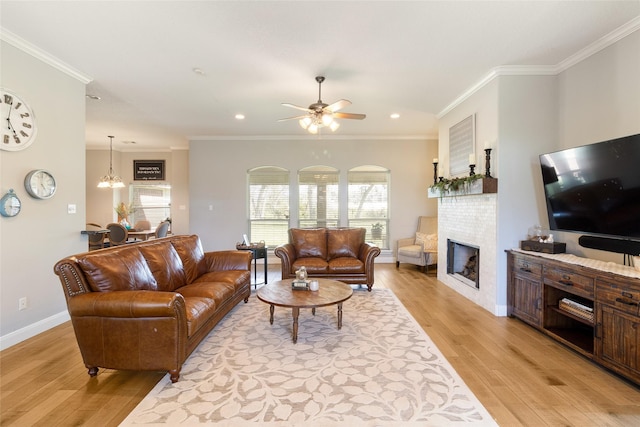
column 435, row 171
column 487, row 164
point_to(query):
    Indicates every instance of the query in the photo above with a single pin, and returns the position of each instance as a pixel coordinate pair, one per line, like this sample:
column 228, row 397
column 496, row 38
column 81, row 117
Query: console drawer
column 525, row 266
column 569, row 281
column 623, row 296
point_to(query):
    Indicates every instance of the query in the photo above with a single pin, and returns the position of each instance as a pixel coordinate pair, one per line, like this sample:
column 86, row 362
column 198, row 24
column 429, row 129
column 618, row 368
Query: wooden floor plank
column 520, row 375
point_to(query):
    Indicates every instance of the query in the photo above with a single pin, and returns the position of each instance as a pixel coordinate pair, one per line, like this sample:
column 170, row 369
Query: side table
column 257, row 253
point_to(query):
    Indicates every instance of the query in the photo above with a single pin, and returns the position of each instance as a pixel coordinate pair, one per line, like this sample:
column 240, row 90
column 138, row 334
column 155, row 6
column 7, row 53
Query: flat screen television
column 595, row 188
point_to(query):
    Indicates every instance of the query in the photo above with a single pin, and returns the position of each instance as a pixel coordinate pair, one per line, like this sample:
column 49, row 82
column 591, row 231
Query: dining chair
column 162, row 229
column 118, row 234
column 96, row 241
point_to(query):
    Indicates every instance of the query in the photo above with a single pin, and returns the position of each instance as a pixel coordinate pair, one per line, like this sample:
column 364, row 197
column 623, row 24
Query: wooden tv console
column 537, row 283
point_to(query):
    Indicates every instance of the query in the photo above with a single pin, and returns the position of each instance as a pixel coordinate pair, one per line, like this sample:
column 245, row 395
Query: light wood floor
column 520, row 376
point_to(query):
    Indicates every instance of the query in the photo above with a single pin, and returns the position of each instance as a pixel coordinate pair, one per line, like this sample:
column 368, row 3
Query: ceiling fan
column 319, row 114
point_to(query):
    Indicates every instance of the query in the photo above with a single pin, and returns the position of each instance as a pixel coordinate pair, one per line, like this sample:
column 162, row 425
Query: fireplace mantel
column 479, row 186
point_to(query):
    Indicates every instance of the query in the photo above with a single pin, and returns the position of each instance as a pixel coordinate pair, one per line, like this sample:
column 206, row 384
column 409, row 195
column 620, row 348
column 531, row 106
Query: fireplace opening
column 463, row 262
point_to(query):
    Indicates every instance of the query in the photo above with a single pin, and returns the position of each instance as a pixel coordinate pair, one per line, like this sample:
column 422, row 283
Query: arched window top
column 268, row 169
column 320, row 168
column 369, row 168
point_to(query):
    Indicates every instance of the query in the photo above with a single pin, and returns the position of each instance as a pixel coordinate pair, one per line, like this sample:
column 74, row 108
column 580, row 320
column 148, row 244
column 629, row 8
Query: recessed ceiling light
column 128, row 142
column 198, row 71
column 94, row 97
column 395, row 116
column 240, row 116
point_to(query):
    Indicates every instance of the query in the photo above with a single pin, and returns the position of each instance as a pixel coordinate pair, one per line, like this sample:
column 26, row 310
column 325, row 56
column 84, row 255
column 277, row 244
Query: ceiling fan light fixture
column 313, row 128
column 327, row 118
column 305, row 122
column 334, row 125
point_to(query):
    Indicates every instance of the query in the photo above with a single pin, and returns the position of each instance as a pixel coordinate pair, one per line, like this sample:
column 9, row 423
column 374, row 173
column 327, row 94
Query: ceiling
column 414, row 58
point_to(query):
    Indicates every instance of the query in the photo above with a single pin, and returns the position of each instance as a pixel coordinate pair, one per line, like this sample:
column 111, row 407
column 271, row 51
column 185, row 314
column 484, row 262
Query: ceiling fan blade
column 294, row 118
column 338, row 105
column 295, row 106
column 349, row 116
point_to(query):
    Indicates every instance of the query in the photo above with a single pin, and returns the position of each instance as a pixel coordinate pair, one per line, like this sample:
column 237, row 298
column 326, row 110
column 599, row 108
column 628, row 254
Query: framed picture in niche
column 462, row 137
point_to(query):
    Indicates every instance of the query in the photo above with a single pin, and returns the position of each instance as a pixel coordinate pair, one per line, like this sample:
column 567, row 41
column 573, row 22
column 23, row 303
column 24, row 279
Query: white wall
column 218, row 178
column 599, row 99
column 595, row 100
column 43, row 232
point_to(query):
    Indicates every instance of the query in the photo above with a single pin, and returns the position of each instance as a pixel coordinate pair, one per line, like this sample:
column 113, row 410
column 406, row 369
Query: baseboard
column 32, row 330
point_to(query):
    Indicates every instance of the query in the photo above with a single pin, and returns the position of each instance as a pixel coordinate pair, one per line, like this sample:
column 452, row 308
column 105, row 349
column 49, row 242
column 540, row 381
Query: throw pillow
column 428, row 241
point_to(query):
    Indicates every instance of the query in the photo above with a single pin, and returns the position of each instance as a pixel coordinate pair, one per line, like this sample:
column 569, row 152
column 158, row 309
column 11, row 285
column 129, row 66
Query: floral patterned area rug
column 380, row 369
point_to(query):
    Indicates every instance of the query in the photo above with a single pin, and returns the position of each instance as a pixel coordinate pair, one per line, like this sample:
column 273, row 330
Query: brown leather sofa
column 329, row 253
column 146, row 306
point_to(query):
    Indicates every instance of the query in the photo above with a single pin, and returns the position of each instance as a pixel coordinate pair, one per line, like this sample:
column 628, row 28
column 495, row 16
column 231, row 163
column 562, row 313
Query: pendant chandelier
column 111, row 180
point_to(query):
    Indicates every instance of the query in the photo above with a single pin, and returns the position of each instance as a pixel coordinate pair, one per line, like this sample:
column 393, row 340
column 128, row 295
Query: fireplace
column 463, row 263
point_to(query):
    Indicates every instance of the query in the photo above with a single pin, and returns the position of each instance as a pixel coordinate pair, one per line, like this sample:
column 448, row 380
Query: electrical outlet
column 22, row 303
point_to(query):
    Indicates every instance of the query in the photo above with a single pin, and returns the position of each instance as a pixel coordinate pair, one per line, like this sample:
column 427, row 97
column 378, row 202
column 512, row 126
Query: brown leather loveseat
column 330, row 253
column 146, row 306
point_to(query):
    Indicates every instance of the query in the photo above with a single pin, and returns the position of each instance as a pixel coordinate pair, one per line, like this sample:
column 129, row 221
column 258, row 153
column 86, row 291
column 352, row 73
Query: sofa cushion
column 235, row 278
column 191, row 253
column 117, row 270
column 165, row 265
column 344, row 242
column 346, row 265
column 313, row 265
column 309, row 242
column 218, row 292
column 199, row 311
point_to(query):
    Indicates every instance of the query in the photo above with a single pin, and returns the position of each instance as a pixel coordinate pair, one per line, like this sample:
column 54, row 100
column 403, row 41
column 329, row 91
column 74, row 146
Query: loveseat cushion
column 189, row 248
column 309, row 242
column 313, row 265
column 117, row 270
column 346, row 265
column 345, row 242
column 165, row 265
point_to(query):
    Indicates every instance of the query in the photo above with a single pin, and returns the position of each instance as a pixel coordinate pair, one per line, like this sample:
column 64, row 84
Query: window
column 269, row 205
column 318, row 197
column 151, row 202
column 368, row 193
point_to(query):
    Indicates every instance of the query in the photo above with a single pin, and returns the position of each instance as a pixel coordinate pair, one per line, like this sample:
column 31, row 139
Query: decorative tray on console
column 241, row 246
column 300, row 285
column 547, row 248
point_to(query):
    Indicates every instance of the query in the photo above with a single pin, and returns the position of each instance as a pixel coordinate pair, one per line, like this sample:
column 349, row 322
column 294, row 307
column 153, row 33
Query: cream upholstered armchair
column 421, row 249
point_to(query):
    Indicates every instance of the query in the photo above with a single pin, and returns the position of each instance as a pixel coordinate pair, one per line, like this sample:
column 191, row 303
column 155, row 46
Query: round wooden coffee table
column 280, row 294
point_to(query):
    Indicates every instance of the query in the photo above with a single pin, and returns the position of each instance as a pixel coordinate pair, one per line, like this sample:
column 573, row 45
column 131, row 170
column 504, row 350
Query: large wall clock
column 18, row 122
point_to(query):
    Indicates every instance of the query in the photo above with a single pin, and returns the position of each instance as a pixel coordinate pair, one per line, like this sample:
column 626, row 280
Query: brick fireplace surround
column 471, row 219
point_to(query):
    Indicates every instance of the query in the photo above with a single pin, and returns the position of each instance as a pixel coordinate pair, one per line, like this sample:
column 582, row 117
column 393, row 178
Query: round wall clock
column 18, row 122
column 10, row 204
column 40, row 184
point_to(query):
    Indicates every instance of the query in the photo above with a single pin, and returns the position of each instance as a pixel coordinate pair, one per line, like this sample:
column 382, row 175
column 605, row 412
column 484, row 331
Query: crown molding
column 546, row 70
column 25, row 46
column 312, row 137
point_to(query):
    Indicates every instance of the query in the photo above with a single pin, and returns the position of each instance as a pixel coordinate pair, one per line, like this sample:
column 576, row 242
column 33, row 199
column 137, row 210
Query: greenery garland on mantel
column 445, row 185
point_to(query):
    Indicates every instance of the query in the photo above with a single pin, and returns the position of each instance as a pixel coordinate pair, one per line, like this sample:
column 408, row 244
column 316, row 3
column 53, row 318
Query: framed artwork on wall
column 148, row 170
column 462, row 137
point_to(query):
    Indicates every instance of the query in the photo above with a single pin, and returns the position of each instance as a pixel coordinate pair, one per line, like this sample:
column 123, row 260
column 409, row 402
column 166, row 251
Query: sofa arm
column 367, row 253
column 228, row 260
column 409, row 241
column 287, row 255
column 128, row 304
